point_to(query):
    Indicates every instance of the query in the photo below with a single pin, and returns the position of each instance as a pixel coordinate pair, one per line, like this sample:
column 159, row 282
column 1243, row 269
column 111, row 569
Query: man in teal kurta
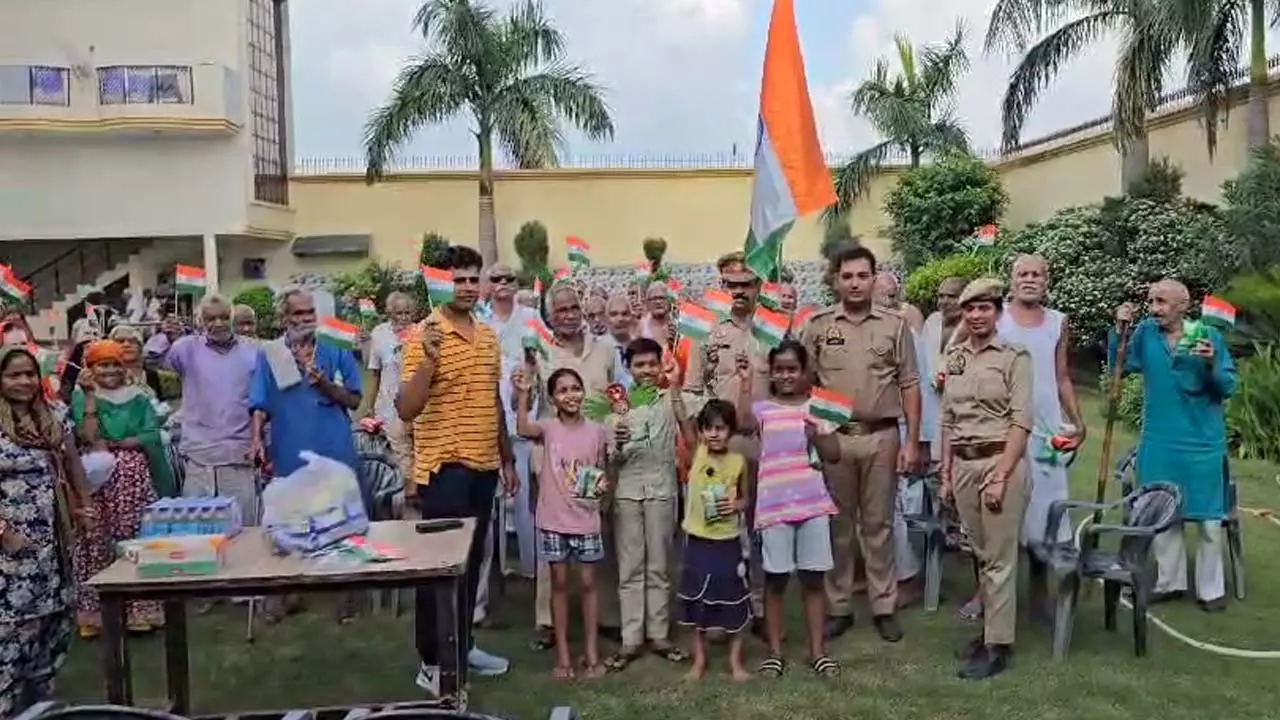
column 1184, row 437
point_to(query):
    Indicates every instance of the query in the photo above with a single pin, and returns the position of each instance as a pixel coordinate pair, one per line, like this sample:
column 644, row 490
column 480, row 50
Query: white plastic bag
column 98, row 467
column 317, row 505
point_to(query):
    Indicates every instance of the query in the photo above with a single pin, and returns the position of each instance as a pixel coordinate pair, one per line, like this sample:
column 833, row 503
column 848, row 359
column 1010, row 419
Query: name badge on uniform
column 834, row 337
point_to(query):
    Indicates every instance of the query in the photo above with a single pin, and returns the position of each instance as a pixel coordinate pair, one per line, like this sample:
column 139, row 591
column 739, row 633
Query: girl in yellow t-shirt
column 713, row 584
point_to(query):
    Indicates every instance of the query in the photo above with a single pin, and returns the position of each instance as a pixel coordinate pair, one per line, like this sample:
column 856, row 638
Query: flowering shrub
column 936, row 208
column 922, row 285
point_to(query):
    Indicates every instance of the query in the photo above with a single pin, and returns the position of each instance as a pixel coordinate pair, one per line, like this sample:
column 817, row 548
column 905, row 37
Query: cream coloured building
column 136, row 134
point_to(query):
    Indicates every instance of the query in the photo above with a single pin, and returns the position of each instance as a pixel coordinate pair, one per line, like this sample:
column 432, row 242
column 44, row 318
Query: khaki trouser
column 645, row 533
column 995, row 541
column 400, row 437
column 606, row 582
column 864, row 486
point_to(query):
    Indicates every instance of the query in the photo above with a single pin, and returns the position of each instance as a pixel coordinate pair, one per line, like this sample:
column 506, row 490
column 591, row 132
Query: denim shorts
column 806, row 546
column 558, row 547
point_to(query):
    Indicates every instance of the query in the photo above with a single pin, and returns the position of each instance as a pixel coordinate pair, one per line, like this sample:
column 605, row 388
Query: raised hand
column 432, row 338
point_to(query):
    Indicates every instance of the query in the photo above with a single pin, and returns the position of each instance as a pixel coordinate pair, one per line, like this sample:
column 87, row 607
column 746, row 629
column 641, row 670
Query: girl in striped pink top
column 792, row 506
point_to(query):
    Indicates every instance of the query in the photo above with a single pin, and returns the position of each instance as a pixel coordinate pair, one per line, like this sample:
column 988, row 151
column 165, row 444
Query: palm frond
column 1216, row 33
column 460, row 29
column 1040, row 65
column 942, row 68
column 946, row 135
column 1147, row 51
column 853, row 179
column 906, row 61
column 1014, row 22
column 573, row 94
column 891, row 109
column 529, row 37
column 528, row 129
column 428, row 90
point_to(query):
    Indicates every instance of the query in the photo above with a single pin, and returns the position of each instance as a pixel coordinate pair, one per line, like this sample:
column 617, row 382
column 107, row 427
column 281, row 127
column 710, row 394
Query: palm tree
column 1146, row 53
column 508, row 74
column 1218, row 33
column 912, row 111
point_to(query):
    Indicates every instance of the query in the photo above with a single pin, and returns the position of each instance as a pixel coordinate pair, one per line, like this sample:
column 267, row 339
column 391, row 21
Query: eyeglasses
column 466, row 280
column 502, row 279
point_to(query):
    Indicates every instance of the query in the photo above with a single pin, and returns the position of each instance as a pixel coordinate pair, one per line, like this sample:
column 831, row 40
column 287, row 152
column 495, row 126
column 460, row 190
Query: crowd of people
column 721, row 466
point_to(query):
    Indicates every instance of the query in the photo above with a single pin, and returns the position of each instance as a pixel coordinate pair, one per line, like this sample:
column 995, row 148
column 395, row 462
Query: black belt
column 978, row 451
column 867, row 427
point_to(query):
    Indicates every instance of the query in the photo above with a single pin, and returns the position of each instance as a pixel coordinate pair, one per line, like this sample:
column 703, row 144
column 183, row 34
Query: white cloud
column 1080, row 93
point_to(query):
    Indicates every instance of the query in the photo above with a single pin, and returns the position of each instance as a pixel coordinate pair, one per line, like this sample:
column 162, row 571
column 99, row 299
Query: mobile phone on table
column 428, row 527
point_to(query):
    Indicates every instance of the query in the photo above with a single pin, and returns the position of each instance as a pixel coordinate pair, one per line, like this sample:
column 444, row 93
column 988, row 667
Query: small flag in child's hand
column 189, row 279
column 696, row 321
column 674, row 288
column 719, row 302
column 338, row 333
column 11, row 286
column 1218, row 311
column 771, row 296
column 368, row 310
column 439, row 284
column 538, row 337
column 579, row 251
column 830, row 406
column 769, row 327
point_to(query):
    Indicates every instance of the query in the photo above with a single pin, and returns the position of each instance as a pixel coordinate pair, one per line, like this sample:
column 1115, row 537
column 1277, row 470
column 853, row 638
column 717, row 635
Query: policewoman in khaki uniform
column 866, row 353
column 986, row 419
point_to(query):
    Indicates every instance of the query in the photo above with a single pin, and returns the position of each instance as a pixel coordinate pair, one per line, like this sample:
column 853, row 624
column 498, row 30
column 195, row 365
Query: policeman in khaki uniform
column 986, row 419
column 713, row 371
column 866, row 353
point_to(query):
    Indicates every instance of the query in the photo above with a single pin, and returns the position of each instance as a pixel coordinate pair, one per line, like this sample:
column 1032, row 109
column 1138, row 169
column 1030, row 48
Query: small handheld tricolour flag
column 579, row 251
column 439, row 285
column 335, row 332
column 368, row 310
column 674, row 288
column 1218, row 311
column 537, row 337
column 696, row 321
column 190, row 280
column 830, row 406
column 643, row 271
column 537, row 287
column 771, row 296
column 562, row 274
column 769, row 327
column 46, row 359
column 985, row 236
column 801, row 316
column 12, row 287
column 718, row 302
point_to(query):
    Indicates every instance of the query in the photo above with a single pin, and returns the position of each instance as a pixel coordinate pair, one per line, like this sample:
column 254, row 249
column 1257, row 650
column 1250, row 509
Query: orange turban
column 100, row 351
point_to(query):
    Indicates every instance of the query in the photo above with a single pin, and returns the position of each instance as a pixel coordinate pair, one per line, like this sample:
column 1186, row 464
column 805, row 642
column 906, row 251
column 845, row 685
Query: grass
column 311, row 661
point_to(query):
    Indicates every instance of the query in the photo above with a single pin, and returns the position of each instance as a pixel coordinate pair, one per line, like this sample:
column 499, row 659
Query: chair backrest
column 1154, row 507
column 369, row 443
column 1126, row 471
column 51, row 711
column 380, row 482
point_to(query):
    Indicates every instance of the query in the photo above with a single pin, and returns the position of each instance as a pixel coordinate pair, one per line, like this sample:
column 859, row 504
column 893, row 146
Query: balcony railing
column 35, row 85
column 145, row 85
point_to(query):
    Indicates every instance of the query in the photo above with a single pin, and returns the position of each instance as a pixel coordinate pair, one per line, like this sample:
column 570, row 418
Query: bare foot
column 562, row 672
column 739, row 674
column 695, row 673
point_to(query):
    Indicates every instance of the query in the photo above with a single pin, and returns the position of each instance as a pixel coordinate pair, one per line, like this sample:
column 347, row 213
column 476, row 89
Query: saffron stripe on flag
column 1219, row 310
column 831, row 406
column 719, row 302
column 439, row 284
column 696, row 321
column 769, row 327
column 336, row 332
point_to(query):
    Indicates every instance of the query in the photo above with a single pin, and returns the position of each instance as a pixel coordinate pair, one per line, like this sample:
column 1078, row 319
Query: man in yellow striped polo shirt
column 449, row 392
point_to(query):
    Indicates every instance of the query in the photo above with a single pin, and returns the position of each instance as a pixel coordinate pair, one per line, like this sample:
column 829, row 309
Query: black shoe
column 838, row 625
column 989, row 661
column 887, row 626
column 613, row 634
column 1213, row 606
column 970, row 649
column 1164, row 597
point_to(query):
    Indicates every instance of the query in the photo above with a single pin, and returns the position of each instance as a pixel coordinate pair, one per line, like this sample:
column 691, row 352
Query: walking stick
column 1108, row 434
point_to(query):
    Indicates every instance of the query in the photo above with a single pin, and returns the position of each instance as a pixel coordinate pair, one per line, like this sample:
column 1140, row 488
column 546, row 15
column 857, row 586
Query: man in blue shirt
column 307, row 391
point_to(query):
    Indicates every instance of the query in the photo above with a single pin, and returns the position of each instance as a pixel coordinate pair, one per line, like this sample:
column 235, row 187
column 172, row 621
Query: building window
column 266, row 102
column 145, row 85
column 35, row 85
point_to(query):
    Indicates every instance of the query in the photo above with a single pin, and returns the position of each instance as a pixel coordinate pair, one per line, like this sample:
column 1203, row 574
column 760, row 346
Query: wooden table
column 435, row 563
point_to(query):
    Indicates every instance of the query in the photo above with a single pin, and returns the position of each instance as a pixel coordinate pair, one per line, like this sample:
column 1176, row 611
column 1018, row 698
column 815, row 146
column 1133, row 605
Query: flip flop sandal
column 671, row 653
column 619, row 661
column 772, row 667
column 825, row 667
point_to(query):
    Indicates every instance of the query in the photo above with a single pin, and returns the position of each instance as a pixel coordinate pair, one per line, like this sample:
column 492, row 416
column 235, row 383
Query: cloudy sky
column 682, row 75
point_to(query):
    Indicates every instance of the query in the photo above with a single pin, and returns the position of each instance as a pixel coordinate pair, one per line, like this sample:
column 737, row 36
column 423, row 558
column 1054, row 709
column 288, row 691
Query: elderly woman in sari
column 41, row 496
column 135, row 373
column 118, row 417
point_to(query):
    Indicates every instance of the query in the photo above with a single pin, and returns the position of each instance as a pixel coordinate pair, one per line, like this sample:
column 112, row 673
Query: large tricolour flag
column 791, row 176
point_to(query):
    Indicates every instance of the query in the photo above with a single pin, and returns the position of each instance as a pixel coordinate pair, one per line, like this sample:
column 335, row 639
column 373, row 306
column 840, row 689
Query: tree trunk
column 1259, row 113
column 1133, row 165
column 488, row 237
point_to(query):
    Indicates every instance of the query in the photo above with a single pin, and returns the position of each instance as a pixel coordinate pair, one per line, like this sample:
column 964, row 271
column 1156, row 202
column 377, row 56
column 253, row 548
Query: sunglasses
column 502, row 279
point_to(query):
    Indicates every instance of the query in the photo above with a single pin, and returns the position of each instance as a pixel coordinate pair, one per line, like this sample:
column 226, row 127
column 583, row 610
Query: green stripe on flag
column 765, row 258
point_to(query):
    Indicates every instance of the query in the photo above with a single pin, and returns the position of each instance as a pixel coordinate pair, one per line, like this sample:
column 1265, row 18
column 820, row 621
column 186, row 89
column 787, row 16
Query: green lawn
column 310, row 661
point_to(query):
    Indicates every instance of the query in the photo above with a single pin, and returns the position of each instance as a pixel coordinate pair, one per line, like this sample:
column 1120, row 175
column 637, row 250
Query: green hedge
column 922, row 285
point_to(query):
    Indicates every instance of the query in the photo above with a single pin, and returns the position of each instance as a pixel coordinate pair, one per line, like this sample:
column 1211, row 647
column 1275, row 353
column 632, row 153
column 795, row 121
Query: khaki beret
column 982, row 289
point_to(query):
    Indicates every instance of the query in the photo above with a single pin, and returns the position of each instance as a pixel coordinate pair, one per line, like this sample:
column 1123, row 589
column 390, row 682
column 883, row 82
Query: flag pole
column 1108, row 435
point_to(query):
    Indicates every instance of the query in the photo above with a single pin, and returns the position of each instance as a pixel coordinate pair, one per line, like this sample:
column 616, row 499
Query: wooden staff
column 1108, row 434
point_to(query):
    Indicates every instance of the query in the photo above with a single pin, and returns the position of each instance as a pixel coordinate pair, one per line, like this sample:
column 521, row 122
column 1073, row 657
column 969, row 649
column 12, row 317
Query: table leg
column 115, row 651
column 176, row 656
column 452, row 666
